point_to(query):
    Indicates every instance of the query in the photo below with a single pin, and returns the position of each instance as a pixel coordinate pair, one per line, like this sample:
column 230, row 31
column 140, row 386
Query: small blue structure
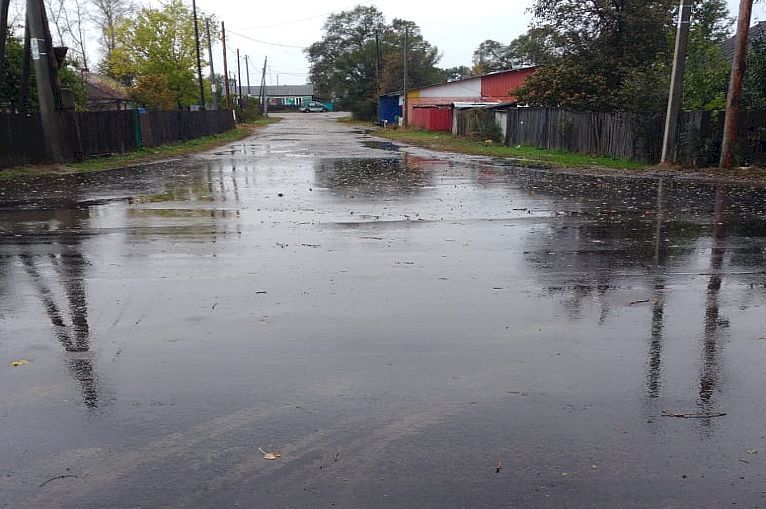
column 390, row 109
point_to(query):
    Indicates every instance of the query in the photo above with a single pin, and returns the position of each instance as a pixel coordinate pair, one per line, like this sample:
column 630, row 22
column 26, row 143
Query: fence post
column 137, row 127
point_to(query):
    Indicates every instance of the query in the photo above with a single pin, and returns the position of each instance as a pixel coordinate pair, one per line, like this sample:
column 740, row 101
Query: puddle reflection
column 57, row 269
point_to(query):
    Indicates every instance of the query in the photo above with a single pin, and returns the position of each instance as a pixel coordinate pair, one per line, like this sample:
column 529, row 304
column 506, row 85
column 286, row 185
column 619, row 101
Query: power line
column 266, row 42
column 302, row 19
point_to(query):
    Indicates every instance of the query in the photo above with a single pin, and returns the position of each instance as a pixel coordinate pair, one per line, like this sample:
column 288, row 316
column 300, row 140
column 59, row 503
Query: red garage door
column 432, row 119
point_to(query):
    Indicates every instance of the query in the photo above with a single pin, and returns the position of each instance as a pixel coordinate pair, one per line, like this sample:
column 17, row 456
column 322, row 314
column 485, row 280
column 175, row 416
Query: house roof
column 757, row 31
column 507, row 71
column 103, row 88
column 282, row 90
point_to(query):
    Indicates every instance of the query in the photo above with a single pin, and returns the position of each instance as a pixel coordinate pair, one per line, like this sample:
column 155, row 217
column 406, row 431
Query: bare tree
column 74, row 18
column 56, row 10
column 106, row 14
column 68, row 18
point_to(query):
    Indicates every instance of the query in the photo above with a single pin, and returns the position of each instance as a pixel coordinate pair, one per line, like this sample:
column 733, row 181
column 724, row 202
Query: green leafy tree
column 9, row 86
column 597, row 44
column 460, row 72
column 754, row 92
column 610, row 55
column 344, row 63
column 536, row 47
column 155, row 56
column 492, row 56
column 422, row 58
column 70, row 77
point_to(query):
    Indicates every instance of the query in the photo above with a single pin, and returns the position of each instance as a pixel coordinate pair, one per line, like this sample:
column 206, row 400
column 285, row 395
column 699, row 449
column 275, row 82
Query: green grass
column 557, row 158
column 351, row 121
column 144, row 155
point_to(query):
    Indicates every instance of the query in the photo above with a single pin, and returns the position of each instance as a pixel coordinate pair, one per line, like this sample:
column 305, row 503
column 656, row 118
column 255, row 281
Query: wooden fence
column 89, row 134
column 635, row 136
column 161, row 127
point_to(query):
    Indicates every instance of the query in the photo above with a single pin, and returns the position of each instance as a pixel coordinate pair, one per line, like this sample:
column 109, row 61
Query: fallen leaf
column 273, row 455
column 752, row 451
column 16, row 364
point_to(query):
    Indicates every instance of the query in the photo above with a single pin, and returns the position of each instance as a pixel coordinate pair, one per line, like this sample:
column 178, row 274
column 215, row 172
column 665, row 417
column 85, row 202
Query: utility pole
column 239, row 81
column 199, row 60
column 225, row 67
column 406, row 42
column 216, row 92
column 264, row 106
column 377, row 74
column 675, row 101
column 734, row 97
column 49, row 98
column 247, row 74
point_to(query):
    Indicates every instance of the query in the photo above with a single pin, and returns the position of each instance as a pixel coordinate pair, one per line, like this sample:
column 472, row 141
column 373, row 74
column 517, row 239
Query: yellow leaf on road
column 274, row 455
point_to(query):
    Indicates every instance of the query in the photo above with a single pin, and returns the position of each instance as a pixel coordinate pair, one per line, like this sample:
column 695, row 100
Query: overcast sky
column 291, row 26
column 455, row 31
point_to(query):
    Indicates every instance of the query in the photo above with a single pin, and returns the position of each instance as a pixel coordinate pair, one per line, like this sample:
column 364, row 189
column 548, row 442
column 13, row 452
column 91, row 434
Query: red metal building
column 497, row 87
column 502, row 85
column 432, row 118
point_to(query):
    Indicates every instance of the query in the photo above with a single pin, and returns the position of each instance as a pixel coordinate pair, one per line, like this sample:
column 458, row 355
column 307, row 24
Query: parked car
column 313, row 106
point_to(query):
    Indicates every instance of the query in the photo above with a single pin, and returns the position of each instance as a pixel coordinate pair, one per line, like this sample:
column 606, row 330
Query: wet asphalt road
column 395, row 322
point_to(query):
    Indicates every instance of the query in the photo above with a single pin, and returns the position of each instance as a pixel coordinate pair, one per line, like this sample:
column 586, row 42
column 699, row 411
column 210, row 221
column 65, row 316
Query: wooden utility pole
column 225, row 67
column 734, row 97
column 675, row 100
column 199, row 59
column 264, row 106
column 239, row 81
column 48, row 96
column 216, row 92
column 247, row 74
column 377, row 75
column 404, row 85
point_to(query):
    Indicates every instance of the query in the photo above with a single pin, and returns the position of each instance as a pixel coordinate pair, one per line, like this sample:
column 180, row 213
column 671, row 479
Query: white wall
column 467, row 88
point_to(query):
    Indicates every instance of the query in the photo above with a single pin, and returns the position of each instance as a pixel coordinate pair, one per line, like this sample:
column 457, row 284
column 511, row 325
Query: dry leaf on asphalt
column 16, row 364
column 273, row 455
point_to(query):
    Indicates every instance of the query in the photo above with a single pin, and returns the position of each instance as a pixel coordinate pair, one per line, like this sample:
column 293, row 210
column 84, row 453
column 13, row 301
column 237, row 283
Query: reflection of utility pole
column 677, row 83
column 658, row 305
column 199, row 59
column 404, row 85
column 225, row 67
column 46, row 66
column 216, row 92
column 734, row 96
column 709, row 369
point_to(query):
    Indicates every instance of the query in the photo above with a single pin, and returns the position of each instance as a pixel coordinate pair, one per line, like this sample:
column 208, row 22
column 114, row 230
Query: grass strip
column 556, row 158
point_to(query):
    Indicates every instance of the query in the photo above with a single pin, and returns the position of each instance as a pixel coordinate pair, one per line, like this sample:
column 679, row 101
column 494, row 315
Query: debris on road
column 666, row 413
column 499, row 466
column 56, row 479
column 19, row 363
column 273, row 455
column 336, row 456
